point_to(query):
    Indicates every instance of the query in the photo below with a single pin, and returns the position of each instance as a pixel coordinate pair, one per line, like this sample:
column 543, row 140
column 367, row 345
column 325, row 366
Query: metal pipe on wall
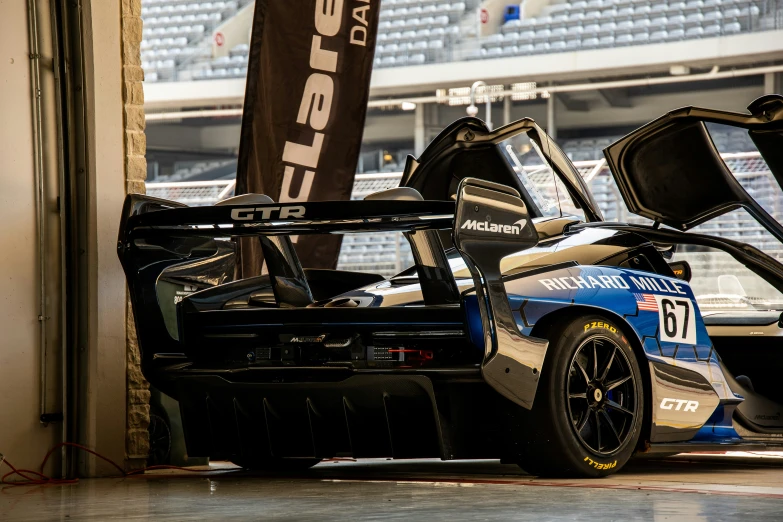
column 38, row 174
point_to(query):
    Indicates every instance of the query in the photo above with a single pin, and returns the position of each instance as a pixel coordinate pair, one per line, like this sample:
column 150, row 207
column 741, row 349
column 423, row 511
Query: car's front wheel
column 587, row 416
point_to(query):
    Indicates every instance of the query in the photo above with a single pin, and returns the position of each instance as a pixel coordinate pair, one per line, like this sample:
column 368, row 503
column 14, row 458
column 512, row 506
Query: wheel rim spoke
column 577, row 396
column 608, row 364
column 614, row 384
column 597, row 429
column 583, row 422
column 618, row 407
column 595, row 361
column 584, row 372
column 611, row 426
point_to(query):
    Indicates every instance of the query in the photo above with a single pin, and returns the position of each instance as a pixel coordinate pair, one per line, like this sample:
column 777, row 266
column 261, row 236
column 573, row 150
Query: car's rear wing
column 145, row 217
column 158, row 236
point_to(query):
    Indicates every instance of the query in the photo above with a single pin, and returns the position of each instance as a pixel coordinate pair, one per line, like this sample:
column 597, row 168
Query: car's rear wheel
column 588, row 412
column 275, row 464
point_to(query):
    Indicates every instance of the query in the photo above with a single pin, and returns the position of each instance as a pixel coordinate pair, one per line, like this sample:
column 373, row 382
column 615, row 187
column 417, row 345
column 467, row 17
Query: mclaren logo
column 679, row 405
column 249, row 214
column 308, row 339
column 486, row 226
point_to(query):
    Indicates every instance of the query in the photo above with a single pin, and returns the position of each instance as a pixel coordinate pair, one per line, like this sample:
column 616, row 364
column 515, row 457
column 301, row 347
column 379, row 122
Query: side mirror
column 491, row 222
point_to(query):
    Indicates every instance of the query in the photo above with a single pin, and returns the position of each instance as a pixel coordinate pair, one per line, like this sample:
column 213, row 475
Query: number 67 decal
column 677, row 321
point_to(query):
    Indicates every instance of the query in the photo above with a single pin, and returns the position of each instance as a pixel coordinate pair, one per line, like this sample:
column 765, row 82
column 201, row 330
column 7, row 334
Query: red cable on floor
column 39, row 478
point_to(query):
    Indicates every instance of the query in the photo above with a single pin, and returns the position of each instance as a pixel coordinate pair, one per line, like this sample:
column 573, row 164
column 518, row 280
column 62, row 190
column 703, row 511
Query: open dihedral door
column 491, row 222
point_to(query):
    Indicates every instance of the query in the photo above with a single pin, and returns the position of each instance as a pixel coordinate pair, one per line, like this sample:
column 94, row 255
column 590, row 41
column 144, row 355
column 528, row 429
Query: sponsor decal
column 249, row 214
column 644, row 283
column 598, row 465
column 308, row 338
column 486, row 226
column 588, row 282
column 677, row 323
column 600, row 324
column 679, row 405
column 775, row 417
column 646, row 302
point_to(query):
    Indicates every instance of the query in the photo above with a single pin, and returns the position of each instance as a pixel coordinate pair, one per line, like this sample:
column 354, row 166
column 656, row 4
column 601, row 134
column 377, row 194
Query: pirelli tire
column 587, row 416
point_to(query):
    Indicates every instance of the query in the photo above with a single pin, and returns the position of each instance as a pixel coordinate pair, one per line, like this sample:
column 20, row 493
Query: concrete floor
column 705, row 487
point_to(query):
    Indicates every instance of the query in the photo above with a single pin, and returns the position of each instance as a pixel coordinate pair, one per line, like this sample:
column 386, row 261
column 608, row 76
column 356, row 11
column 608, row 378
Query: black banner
column 308, row 82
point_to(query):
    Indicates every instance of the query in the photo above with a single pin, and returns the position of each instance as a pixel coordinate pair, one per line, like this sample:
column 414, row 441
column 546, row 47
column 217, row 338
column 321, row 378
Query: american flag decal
column 646, row 302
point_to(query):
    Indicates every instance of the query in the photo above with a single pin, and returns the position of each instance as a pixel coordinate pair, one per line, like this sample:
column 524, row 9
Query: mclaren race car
column 529, row 328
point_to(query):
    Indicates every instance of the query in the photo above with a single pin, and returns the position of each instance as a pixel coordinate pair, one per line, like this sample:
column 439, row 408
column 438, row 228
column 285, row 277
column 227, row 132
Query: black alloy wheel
column 601, row 395
column 587, row 416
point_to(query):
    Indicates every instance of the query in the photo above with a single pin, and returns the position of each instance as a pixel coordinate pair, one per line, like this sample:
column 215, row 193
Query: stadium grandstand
column 589, row 71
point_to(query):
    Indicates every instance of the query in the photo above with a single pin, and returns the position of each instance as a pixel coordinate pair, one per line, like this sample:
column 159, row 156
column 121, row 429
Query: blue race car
column 529, row 328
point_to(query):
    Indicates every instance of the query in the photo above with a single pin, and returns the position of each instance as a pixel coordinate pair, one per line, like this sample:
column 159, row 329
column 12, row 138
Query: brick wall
column 138, row 396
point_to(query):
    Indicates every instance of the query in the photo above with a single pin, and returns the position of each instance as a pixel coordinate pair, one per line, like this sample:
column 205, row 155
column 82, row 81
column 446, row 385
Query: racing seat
column 289, row 284
column 435, row 277
column 682, row 270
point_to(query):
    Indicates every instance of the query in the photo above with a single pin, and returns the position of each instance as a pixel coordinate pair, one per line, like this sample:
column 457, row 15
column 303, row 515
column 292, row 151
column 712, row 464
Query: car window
column 535, row 173
column 720, row 282
column 743, row 159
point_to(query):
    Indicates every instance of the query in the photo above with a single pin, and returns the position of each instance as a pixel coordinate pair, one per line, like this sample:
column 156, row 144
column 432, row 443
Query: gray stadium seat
column 676, row 19
column 693, row 20
column 676, row 34
column 590, row 42
column 559, row 20
column 712, row 30
column 693, row 6
column 591, row 29
column 592, row 15
column 658, row 36
column 607, row 28
column 659, row 8
column 658, row 22
column 541, row 47
column 609, row 13
column 641, row 38
column 559, row 45
column 527, row 36
column 642, row 11
column 606, row 41
column 641, row 25
column 711, row 16
column 694, row 32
